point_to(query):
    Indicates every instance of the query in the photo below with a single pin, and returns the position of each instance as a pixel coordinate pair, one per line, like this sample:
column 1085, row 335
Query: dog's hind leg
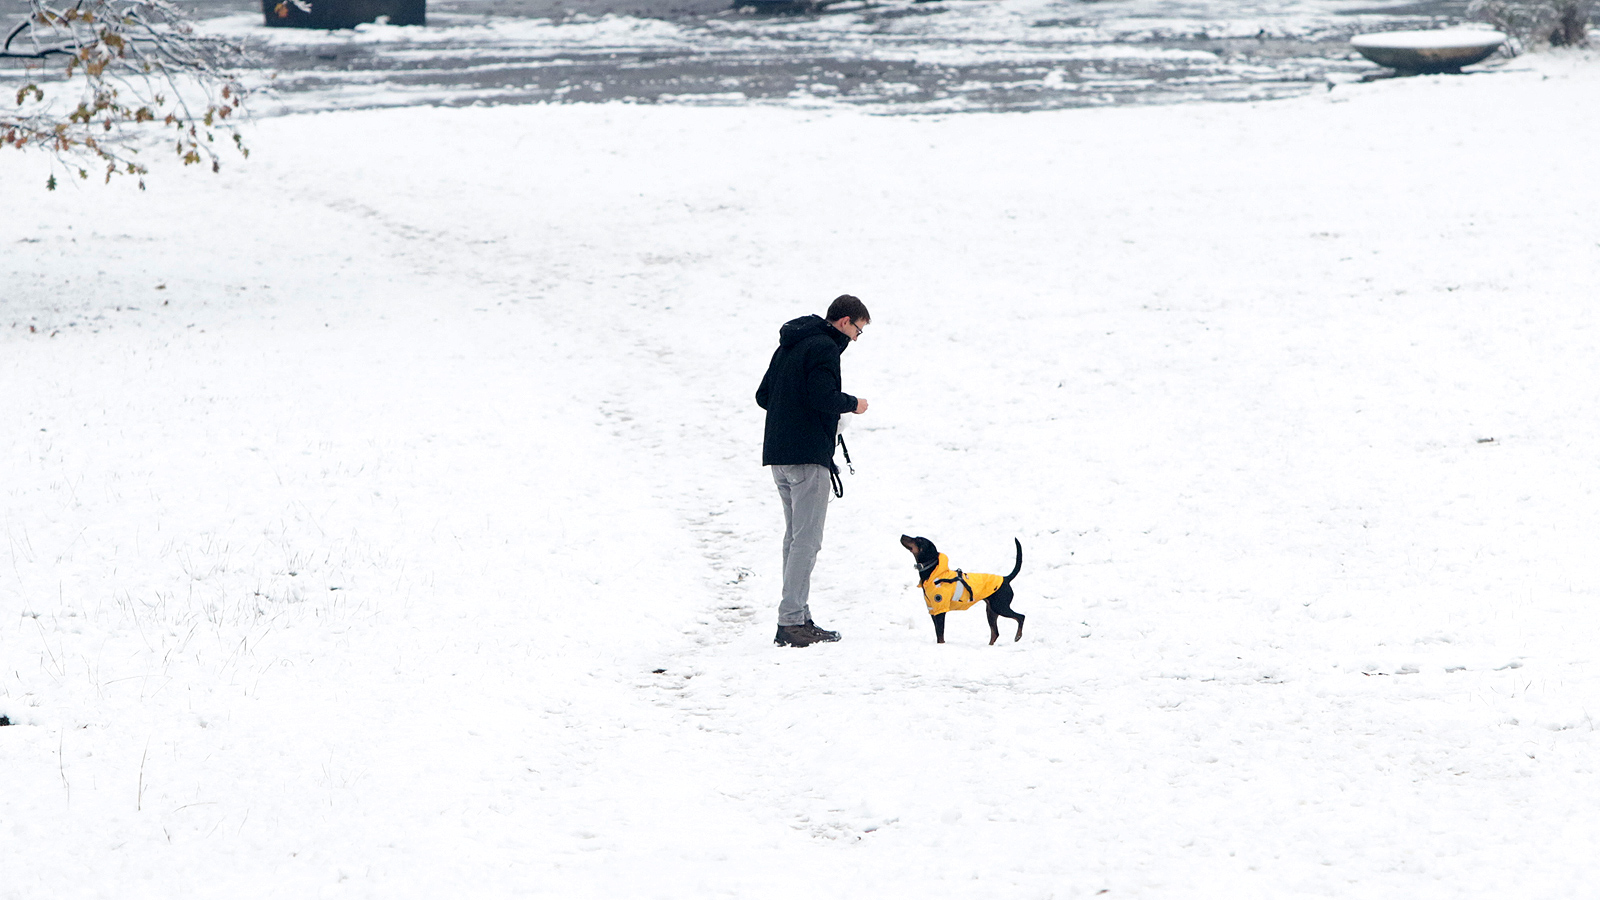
column 1000, row 605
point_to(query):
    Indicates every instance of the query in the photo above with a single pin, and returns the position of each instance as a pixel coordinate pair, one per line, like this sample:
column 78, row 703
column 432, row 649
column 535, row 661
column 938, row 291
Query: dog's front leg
column 938, row 627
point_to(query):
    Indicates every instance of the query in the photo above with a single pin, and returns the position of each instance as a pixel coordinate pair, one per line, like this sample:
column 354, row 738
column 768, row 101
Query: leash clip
column 833, row 470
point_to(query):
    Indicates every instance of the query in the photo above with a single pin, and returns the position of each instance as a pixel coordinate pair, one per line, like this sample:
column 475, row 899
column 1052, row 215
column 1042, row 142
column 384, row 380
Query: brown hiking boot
column 803, row 635
column 794, row 636
column 823, row 635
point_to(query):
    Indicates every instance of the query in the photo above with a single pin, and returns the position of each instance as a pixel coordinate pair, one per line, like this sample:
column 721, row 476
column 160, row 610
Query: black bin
column 343, row 13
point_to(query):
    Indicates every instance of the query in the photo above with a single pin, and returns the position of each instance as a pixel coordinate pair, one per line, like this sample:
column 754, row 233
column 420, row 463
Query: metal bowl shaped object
column 1425, row 52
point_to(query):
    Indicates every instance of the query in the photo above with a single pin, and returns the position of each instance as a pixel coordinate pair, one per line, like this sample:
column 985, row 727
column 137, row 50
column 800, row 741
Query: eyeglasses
column 859, row 328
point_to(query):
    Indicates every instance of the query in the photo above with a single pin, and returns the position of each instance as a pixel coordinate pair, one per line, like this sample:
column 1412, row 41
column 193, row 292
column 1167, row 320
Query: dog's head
column 922, row 550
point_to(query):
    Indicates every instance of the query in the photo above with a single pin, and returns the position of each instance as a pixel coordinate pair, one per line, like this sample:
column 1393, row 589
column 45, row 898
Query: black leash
column 833, row 470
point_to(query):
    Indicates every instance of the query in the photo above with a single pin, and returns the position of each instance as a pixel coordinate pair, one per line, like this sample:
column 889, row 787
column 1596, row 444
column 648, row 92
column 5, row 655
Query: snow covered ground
column 383, row 516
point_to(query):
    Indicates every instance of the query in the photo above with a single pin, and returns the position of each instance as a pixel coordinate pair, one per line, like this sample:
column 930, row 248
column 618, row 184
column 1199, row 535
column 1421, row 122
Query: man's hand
column 861, row 405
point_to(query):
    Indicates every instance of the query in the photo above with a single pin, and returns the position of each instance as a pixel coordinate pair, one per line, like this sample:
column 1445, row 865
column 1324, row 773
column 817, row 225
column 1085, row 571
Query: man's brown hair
column 846, row 305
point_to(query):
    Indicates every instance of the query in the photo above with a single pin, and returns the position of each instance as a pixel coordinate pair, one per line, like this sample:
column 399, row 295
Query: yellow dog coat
column 945, row 589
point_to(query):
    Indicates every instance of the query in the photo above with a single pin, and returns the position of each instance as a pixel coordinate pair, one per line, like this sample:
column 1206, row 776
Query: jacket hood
column 796, row 330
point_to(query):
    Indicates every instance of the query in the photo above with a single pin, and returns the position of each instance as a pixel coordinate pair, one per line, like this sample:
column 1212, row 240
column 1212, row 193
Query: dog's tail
column 1018, row 567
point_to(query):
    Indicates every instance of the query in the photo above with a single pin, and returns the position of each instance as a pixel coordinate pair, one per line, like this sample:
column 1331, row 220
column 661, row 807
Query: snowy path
column 348, row 530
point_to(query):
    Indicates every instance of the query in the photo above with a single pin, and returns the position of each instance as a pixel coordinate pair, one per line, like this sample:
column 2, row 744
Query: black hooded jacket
column 801, row 394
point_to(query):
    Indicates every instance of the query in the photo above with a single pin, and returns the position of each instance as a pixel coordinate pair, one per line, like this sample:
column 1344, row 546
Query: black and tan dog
column 945, row 589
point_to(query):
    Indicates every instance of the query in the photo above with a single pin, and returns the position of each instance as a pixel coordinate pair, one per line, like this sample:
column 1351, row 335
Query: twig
column 139, row 804
column 61, row 761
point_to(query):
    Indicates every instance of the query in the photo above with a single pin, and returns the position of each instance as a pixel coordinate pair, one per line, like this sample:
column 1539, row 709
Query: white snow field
column 384, row 518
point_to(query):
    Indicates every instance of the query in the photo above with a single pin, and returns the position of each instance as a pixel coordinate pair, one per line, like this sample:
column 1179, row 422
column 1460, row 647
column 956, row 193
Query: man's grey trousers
column 805, row 491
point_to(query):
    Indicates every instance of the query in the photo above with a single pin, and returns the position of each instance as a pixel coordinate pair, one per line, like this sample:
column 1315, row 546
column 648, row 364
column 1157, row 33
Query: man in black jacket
column 802, row 396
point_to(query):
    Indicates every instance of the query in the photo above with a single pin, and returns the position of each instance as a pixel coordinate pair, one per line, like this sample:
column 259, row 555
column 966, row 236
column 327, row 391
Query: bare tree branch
column 1534, row 23
column 134, row 67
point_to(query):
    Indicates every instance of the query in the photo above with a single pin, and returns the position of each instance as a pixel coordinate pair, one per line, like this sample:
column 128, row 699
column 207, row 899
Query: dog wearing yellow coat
column 945, row 589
